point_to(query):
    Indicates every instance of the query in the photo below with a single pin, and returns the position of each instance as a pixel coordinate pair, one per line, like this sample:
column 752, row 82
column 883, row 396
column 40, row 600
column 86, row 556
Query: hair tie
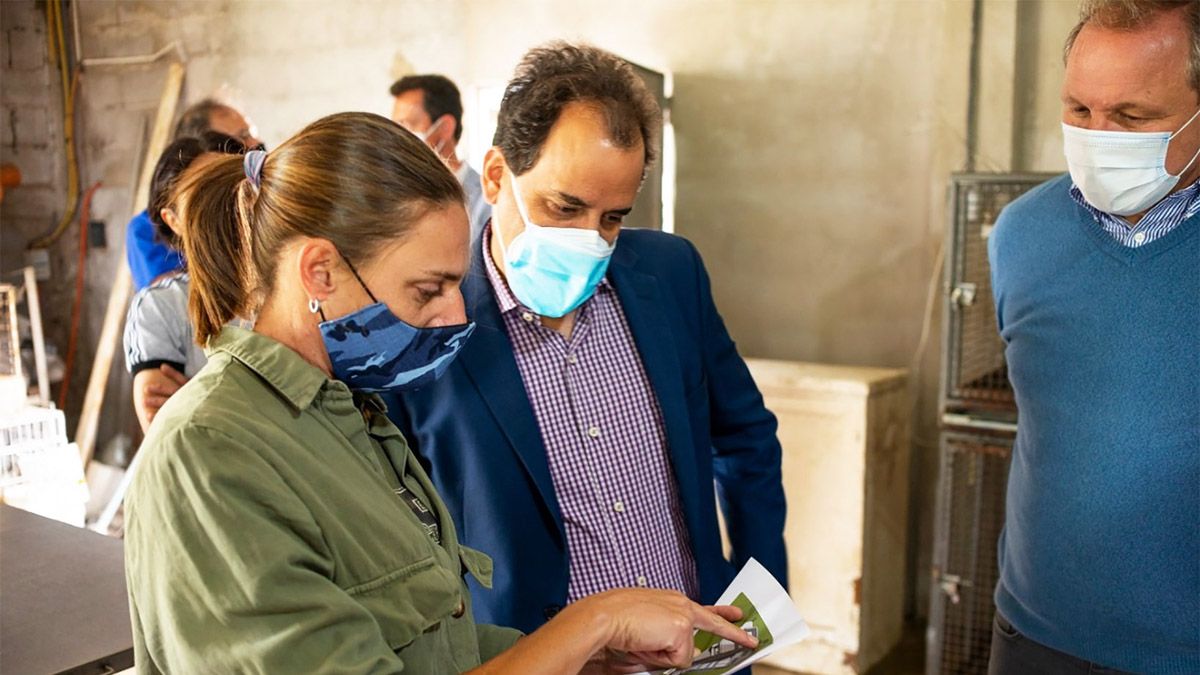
column 252, row 164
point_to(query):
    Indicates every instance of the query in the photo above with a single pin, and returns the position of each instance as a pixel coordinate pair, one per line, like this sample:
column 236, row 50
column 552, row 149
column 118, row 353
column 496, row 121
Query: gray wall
column 814, row 138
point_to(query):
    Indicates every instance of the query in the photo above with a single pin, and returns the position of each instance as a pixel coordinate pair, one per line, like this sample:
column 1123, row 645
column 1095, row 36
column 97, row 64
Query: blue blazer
column 475, row 431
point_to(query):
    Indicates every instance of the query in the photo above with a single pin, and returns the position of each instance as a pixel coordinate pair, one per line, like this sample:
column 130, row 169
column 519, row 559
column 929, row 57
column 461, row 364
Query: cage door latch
column 950, row 583
column 963, row 294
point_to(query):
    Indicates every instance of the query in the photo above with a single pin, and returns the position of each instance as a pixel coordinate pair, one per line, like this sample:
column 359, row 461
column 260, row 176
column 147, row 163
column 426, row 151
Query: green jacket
column 265, row 533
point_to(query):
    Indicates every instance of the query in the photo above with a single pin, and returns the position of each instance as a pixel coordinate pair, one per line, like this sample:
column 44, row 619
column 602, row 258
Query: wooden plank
column 118, row 297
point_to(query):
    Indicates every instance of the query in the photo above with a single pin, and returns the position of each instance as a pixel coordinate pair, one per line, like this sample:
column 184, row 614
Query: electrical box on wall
column 97, row 234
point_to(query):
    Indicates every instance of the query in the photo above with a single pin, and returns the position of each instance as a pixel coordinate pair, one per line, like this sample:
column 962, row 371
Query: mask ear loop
column 521, row 208
column 1193, row 160
column 360, row 281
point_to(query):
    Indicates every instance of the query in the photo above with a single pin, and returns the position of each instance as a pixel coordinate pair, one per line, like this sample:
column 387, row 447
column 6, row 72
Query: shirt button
column 641, row 581
column 572, row 359
column 619, row 506
column 460, row 610
column 1139, row 238
column 527, row 316
column 593, row 431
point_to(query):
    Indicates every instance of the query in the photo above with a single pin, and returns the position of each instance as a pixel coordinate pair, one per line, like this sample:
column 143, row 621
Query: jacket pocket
column 411, row 600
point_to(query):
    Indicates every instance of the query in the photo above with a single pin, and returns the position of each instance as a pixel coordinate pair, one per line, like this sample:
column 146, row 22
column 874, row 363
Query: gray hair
column 1129, row 14
column 197, row 119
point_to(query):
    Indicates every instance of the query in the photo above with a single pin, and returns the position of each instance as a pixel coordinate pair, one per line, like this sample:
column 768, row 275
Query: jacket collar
column 296, row 380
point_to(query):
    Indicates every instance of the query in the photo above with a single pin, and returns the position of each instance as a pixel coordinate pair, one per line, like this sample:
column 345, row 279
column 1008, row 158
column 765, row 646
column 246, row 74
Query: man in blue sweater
column 1097, row 285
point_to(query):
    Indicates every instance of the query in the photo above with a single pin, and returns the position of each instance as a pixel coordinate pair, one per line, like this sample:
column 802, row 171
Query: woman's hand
column 620, row 631
column 654, row 628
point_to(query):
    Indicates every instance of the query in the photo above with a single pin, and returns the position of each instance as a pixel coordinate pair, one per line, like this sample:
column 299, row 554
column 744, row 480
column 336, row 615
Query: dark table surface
column 62, row 598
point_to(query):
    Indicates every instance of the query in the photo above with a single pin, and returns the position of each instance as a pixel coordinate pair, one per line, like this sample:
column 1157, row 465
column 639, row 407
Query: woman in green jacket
column 278, row 522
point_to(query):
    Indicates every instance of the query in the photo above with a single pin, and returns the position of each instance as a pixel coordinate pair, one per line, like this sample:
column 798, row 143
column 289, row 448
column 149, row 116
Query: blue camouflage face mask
column 372, row 350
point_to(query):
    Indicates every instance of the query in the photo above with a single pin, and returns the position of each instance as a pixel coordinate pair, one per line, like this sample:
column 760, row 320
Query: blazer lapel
column 646, row 310
column 489, row 363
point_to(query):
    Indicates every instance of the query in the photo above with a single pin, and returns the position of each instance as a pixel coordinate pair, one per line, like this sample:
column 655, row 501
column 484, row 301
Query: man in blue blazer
column 578, row 437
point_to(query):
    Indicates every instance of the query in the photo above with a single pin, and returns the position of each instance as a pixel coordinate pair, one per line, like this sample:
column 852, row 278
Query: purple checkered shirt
column 605, row 443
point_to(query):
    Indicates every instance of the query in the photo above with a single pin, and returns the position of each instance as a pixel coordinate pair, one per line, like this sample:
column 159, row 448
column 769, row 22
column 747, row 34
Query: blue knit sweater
column 1100, row 554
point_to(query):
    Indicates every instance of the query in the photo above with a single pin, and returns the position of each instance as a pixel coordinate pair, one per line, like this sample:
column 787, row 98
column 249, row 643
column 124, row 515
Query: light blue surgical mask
column 1122, row 172
column 554, row 270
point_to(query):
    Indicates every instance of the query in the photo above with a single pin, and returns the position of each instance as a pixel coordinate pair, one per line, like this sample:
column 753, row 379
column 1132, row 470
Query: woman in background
column 160, row 345
column 279, row 522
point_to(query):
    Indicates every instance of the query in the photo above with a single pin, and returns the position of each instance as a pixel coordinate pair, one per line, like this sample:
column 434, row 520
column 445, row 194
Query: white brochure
column 768, row 613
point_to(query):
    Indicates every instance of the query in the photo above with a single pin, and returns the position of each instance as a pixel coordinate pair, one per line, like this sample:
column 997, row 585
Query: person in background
column 160, row 347
column 578, row 438
column 431, row 107
column 148, row 256
column 278, row 522
column 1096, row 277
column 213, row 115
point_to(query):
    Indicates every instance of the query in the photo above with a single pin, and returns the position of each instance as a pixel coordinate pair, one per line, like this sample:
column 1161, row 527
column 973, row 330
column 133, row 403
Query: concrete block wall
column 31, row 137
column 285, row 63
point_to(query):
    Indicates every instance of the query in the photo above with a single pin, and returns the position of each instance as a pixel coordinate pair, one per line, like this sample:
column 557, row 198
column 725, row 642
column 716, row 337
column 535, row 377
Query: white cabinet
column 845, row 436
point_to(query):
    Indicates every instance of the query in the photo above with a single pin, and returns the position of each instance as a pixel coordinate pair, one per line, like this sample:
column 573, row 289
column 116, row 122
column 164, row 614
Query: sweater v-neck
column 1131, row 256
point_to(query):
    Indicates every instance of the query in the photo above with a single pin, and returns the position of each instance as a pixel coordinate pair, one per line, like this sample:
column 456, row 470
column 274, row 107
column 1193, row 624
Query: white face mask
column 1122, row 172
column 424, row 136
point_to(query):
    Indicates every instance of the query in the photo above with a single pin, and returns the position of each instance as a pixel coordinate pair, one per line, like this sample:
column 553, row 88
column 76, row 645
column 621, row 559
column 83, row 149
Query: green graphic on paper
column 719, row 656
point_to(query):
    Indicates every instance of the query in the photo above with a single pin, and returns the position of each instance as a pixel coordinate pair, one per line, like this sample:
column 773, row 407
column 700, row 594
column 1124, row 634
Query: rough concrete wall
column 31, row 137
column 285, row 63
column 1040, row 71
column 805, row 134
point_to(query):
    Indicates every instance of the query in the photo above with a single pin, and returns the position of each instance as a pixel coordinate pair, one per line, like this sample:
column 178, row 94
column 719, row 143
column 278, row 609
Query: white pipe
column 137, row 60
column 118, row 60
column 75, row 28
column 39, row 341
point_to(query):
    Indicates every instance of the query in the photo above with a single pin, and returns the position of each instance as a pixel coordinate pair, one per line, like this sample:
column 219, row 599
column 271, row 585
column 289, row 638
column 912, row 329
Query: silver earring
column 314, row 306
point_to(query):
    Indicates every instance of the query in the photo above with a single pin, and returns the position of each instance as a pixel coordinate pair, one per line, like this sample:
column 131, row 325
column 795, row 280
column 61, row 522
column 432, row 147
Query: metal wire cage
column 10, row 342
column 970, row 514
column 975, row 373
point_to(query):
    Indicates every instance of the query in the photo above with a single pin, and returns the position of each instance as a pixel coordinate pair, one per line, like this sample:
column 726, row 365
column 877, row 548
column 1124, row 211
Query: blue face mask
column 372, row 350
column 553, row 270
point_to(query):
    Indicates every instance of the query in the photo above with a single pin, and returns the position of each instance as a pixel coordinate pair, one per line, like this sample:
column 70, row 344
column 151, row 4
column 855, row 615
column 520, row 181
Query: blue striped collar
column 1159, row 221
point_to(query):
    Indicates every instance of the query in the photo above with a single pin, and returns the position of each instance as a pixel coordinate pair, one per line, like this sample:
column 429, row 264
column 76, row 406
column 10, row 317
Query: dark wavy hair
column 177, row 157
column 559, row 73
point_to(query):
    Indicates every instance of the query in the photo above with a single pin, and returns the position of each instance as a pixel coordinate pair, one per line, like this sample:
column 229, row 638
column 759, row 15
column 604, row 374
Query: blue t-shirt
column 1100, row 554
column 148, row 257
